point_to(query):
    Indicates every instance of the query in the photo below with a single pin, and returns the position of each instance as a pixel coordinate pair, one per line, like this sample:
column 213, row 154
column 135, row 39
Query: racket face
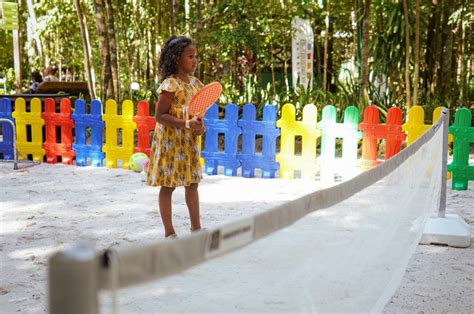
column 204, row 99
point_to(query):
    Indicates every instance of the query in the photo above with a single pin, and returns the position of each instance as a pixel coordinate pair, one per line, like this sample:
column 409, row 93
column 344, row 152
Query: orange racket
column 204, row 99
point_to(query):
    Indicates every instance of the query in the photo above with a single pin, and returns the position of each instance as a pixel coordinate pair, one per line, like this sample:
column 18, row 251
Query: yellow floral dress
column 175, row 152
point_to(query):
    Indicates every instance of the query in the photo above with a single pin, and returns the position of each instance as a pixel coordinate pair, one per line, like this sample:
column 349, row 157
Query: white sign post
column 302, row 53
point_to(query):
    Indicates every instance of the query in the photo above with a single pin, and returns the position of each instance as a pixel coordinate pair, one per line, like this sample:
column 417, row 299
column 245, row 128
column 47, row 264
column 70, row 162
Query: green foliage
column 244, row 44
column 6, row 50
column 59, row 31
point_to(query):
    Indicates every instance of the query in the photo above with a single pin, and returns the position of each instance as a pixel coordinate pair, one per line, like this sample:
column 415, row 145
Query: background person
column 50, row 75
column 35, row 80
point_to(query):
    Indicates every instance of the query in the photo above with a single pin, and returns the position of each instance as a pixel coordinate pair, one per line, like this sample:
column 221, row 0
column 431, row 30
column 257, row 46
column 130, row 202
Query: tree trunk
column 134, row 58
column 326, row 47
column 272, row 67
column 106, row 72
column 186, row 16
column 356, row 29
column 433, row 48
column 464, row 91
column 318, row 56
column 152, row 54
column 364, row 82
column 149, row 53
column 359, row 16
column 158, row 15
column 156, row 70
column 35, row 27
column 172, row 15
column 113, row 48
column 416, row 82
column 197, row 35
column 175, row 14
column 330, row 71
column 86, row 47
column 126, row 47
column 407, row 54
column 446, row 71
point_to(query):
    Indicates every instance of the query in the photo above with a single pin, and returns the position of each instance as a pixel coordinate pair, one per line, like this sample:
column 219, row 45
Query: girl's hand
column 200, row 131
column 195, row 124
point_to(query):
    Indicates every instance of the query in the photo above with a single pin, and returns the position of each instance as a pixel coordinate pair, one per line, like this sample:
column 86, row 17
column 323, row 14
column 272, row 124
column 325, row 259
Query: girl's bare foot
column 171, row 236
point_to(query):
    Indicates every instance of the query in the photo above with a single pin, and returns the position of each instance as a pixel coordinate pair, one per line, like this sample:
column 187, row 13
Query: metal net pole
column 444, row 167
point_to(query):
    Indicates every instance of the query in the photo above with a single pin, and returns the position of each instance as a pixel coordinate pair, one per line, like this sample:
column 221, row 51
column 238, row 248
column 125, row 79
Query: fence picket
column 52, row 120
column 6, row 144
column 229, row 128
column 114, row 122
column 82, row 121
column 34, row 120
column 307, row 129
column 250, row 129
column 463, row 134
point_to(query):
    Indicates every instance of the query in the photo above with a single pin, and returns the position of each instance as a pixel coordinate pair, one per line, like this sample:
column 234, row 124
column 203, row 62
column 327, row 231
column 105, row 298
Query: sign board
column 9, row 15
column 302, row 45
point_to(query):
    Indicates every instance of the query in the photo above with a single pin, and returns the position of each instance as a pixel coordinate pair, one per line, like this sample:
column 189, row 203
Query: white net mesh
column 349, row 257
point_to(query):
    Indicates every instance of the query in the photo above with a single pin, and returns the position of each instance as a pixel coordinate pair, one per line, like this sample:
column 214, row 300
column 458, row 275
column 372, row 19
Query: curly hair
column 174, row 47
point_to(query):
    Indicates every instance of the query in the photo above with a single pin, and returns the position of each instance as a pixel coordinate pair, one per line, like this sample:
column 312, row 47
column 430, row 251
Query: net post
column 73, row 280
column 444, row 166
column 446, row 229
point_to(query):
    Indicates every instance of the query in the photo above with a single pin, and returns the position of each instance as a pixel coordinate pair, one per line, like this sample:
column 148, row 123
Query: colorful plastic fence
column 415, row 125
column 88, row 123
column 308, row 131
column 115, row 123
column 6, row 143
column 32, row 120
column 266, row 129
column 240, row 137
column 230, row 130
column 250, row 128
column 373, row 131
column 53, row 121
column 347, row 131
column 463, row 134
column 145, row 124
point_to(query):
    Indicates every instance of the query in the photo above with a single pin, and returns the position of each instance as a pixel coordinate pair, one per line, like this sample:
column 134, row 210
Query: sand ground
column 45, row 207
column 440, row 279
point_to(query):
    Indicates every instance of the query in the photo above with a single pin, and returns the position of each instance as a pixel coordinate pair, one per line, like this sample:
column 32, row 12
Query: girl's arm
column 162, row 113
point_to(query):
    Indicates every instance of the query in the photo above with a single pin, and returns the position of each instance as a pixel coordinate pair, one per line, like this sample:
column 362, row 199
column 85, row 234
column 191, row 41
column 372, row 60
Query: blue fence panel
column 269, row 132
column 227, row 126
column 94, row 121
column 6, row 144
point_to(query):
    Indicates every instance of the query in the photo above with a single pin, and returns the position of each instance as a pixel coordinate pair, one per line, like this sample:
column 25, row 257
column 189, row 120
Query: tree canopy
column 384, row 52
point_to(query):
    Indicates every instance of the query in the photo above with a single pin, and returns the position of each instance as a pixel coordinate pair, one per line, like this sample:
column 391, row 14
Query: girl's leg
column 164, row 202
column 191, row 195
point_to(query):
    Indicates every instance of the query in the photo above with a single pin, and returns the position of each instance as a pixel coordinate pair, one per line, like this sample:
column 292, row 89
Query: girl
column 175, row 151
